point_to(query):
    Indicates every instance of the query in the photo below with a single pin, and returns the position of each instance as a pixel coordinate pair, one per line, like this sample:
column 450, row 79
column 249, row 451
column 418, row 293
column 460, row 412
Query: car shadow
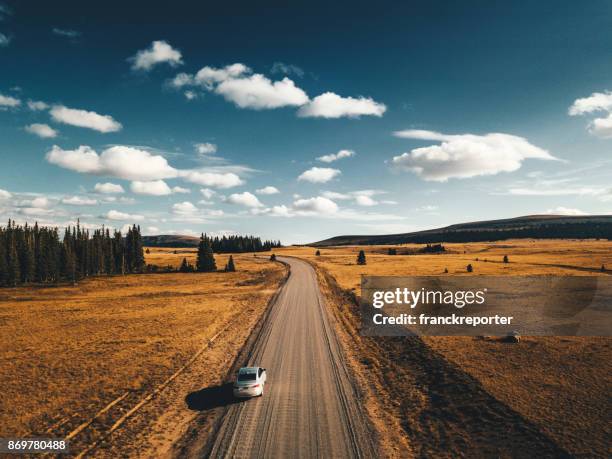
column 211, row 397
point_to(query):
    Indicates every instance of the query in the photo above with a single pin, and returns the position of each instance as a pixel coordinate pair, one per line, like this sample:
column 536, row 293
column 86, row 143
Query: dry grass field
column 459, row 393
column 67, row 351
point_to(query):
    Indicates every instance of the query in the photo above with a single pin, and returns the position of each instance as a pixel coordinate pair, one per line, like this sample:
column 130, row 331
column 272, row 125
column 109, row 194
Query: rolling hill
column 170, row 240
column 531, row 226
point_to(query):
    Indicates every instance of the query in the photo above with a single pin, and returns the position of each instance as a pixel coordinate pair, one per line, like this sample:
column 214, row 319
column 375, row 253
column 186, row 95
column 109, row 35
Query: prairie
column 465, row 394
column 68, row 351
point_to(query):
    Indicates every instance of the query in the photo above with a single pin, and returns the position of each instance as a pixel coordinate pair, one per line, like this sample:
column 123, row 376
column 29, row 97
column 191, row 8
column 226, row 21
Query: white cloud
column 331, row 105
column 151, row 188
column 184, row 208
column 319, row 174
column 116, row 215
column 8, row 101
column 4, row 40
column 118, row 161
column 596, row 102
column 314, row 206
column 213, row 179
column 336, row 156
column 466, row 155
column 108, row 188
column 258, row 92
column 267, row 190
column 245, row 199
column 159, row 52
column 66, row 33
column 363, row 200
column 37, row 105
column 190, row 95
column 179, row 189
column 601, row 127
column 85, row 119
column 565, row 191
column 206, row 148
column 565, row 211
column 79, row 201
column 207, row 193
column 5, row 194
column 427, row 208
column 41, row 130
column 151, row 230
column 208, row 76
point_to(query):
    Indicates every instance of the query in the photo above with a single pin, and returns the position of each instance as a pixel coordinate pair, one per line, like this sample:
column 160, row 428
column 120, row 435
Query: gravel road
column 310, row 407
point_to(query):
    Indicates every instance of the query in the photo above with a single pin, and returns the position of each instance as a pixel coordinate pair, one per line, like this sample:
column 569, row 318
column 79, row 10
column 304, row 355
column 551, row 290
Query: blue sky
column 307, row 121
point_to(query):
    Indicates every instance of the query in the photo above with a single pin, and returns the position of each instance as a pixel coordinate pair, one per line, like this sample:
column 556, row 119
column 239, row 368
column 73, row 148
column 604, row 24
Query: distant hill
column 170, row 240
column 532, row 226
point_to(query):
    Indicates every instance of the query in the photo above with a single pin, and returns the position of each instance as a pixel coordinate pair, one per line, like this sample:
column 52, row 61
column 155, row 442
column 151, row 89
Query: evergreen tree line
column 240, row 244
column 38, row 254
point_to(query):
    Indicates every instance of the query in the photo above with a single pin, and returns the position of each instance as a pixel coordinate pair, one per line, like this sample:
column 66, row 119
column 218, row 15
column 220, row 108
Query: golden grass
column 70, row 350
column 561, row 384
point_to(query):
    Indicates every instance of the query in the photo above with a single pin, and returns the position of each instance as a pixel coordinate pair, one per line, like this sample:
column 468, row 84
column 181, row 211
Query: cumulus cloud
column 5, row 195
column 43, row 131
column 108, row 188
column 596, row 102
column 206, row 148
column 212, row 179
column 122, row 216
column 184, row 208
column 314, row 206
column 180, row 189
column 84, row 119
column 9, row 101
column 151, row 188
column 319, row 174
column 37, row 105
column 245, row 199
column 466, row 155
column 118, row 161
column 267, row 190
column 331, row 105
column 79, row 201
column 207, row 193
column 336, row 156
column 258, row 92
column 159, row 52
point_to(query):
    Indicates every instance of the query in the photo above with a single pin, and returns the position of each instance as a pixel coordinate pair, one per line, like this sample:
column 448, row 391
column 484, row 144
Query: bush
column 469, row 268
column 273, row 257
column 392, row 251
column 506, row 259
column 603, row 268
column 361, row 258
column 318, row 253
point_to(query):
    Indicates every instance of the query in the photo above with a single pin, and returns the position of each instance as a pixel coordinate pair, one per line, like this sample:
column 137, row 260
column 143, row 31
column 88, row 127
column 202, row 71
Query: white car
column 250, row 382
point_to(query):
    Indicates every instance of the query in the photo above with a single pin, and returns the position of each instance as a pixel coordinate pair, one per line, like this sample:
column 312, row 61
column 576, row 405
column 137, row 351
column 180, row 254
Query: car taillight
column 255, row 385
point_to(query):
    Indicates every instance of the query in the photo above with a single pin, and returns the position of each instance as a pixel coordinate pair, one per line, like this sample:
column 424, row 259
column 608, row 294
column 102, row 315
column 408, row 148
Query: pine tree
column 229, row 267
column 318, row 253
column 206, row 259
column 506, row 259
column 470, row 268
column 603, row 268
column 184, row 268
column 273, row 257
column 361, row 258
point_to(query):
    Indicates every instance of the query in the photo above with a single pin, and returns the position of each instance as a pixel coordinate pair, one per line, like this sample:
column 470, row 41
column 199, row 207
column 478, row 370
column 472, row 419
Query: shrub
column 318, row 253
column 361, row 258
column 506, row 259
column 392, row 251
column 469, row 268
column 273, row 257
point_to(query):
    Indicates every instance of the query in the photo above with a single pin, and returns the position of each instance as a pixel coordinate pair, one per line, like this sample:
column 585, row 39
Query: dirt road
column 309, row 408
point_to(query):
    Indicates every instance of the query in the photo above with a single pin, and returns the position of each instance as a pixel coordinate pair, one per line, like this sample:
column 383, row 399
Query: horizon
column 391, row 119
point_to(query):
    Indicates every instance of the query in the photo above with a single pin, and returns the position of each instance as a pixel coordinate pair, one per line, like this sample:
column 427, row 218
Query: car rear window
column 247, row 377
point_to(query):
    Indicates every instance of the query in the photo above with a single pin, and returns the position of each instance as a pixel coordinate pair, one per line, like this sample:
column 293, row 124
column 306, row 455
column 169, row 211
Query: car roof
column 244, row 370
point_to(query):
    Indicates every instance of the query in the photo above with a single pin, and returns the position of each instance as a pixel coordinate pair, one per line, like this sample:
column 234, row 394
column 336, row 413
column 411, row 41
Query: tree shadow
column 211, row 397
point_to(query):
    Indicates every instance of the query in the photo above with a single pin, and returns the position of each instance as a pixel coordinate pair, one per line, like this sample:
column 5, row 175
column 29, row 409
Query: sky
column 305, row 121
